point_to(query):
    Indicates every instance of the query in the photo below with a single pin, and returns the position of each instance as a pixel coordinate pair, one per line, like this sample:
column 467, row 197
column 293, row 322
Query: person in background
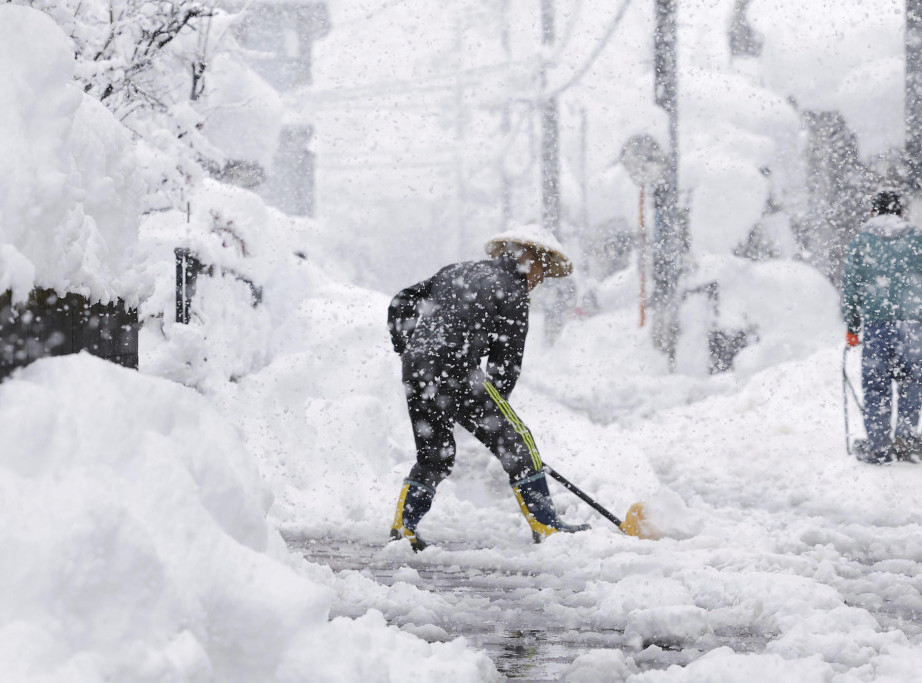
column 882, row 301
column 443, row 328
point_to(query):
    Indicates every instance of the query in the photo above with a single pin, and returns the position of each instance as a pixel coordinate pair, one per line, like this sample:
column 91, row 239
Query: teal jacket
column 883, row 274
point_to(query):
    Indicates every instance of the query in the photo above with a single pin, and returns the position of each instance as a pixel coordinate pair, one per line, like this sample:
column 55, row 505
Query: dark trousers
column 440, row 396
column 892, row 352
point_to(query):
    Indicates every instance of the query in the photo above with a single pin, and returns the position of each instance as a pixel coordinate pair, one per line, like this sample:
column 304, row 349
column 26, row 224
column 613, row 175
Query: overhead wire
column 449, row 81
column 561, row 45
column 389, row 5
column 597, row 50
column 473, row 78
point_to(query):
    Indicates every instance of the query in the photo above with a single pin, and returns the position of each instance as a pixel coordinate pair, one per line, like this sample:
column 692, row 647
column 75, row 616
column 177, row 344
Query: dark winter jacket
column 465, row 312
column 883, row 274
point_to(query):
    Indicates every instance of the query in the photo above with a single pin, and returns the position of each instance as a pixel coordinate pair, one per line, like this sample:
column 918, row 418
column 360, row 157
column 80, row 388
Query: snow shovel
column 847, row 387
column 633, row 522
column 857, row 447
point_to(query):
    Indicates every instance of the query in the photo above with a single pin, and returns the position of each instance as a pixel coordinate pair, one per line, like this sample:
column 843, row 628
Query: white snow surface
column 70, row 197
column 144, row 516
column 136, row 547
column 771, row 534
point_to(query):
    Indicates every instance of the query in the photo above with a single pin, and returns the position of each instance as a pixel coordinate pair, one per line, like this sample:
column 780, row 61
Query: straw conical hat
column 536, row 237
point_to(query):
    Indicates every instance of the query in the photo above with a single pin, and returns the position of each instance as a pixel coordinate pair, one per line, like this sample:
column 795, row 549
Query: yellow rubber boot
column 535, row 502
column 414, row 501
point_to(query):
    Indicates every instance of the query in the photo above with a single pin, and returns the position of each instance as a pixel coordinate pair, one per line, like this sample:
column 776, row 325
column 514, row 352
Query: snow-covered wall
column 69, row 200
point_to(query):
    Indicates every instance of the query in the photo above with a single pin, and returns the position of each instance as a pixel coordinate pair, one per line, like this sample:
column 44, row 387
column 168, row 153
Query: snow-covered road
column 826, row 598
column 783, row 558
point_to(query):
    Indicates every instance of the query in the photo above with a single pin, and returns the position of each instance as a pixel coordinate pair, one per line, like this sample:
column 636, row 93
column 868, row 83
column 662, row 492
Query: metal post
column 912, row 108
column 182, row 280
column 669, row 248
column 583, row 172
column 505, row 126
column 550, row 153
column 641, row 260
column 460, row 190
column 645, row 162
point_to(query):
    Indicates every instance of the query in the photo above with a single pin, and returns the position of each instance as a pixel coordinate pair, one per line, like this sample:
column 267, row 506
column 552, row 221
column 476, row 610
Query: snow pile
column 796, row 545
column 316, row 387
column 847, row 57
column 257, row 268
column 245, row 114
column 606, row 366
column 136, row 548
column 136, row 538
column 70, row 196
column 330, row 426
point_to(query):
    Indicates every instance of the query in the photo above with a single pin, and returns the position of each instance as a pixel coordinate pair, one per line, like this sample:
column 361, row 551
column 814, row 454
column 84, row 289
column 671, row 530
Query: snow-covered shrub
column 146, row 62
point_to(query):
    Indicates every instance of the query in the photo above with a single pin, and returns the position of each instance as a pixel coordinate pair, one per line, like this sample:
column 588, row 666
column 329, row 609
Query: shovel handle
column 582, row 496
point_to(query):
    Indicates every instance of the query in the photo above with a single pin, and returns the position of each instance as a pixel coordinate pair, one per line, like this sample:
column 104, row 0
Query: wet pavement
column 534, row 624
column 502, row 613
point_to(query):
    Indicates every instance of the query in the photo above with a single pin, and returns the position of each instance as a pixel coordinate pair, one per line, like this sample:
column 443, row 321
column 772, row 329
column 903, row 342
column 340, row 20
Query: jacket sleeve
column 403, row 313
column 507, row 347
column 851, row 288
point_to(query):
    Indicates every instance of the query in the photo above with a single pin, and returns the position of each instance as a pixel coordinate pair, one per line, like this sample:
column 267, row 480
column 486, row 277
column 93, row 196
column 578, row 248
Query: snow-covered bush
column 146, row 62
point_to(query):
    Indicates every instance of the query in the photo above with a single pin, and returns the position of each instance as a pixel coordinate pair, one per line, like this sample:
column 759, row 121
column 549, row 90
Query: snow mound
column 665, row 514
column 69, row 201
column 136, row 547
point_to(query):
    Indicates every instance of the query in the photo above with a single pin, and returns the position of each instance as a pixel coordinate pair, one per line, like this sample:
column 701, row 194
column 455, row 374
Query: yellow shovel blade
column 634, row 523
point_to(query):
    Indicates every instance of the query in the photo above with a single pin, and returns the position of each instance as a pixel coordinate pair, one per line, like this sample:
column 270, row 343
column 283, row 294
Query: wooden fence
column 51, row 324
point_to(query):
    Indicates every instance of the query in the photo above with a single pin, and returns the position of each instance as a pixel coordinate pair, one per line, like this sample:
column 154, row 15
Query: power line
column 375, row 165
column 371, row 15
column 471, row 77
column 600, row 46
column 564, row 43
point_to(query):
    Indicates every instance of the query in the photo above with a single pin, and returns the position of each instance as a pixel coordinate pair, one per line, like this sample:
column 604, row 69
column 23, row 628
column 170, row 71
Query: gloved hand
column 852, row 339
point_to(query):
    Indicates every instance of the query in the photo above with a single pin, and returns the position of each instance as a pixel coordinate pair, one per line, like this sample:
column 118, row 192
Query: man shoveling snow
column 442, row 328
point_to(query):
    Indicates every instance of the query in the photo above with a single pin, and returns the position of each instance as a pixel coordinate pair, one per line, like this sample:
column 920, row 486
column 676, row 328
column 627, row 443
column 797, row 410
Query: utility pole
column 641, row 248
column 460, row 189
column 550, row 143
column 669, row 243
column 505, row 127
column 583, row 172
column 912, row 107
column 645, row 162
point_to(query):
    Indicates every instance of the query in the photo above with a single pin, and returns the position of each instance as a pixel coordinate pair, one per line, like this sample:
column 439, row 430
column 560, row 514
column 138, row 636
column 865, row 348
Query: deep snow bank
column 262, row 263
column 136, row 548
column 606, row 366
column 794, row 540
column 70, row 193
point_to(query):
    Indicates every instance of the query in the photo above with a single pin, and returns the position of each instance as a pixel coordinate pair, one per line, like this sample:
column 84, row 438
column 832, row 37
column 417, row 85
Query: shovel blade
column 634, row 523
